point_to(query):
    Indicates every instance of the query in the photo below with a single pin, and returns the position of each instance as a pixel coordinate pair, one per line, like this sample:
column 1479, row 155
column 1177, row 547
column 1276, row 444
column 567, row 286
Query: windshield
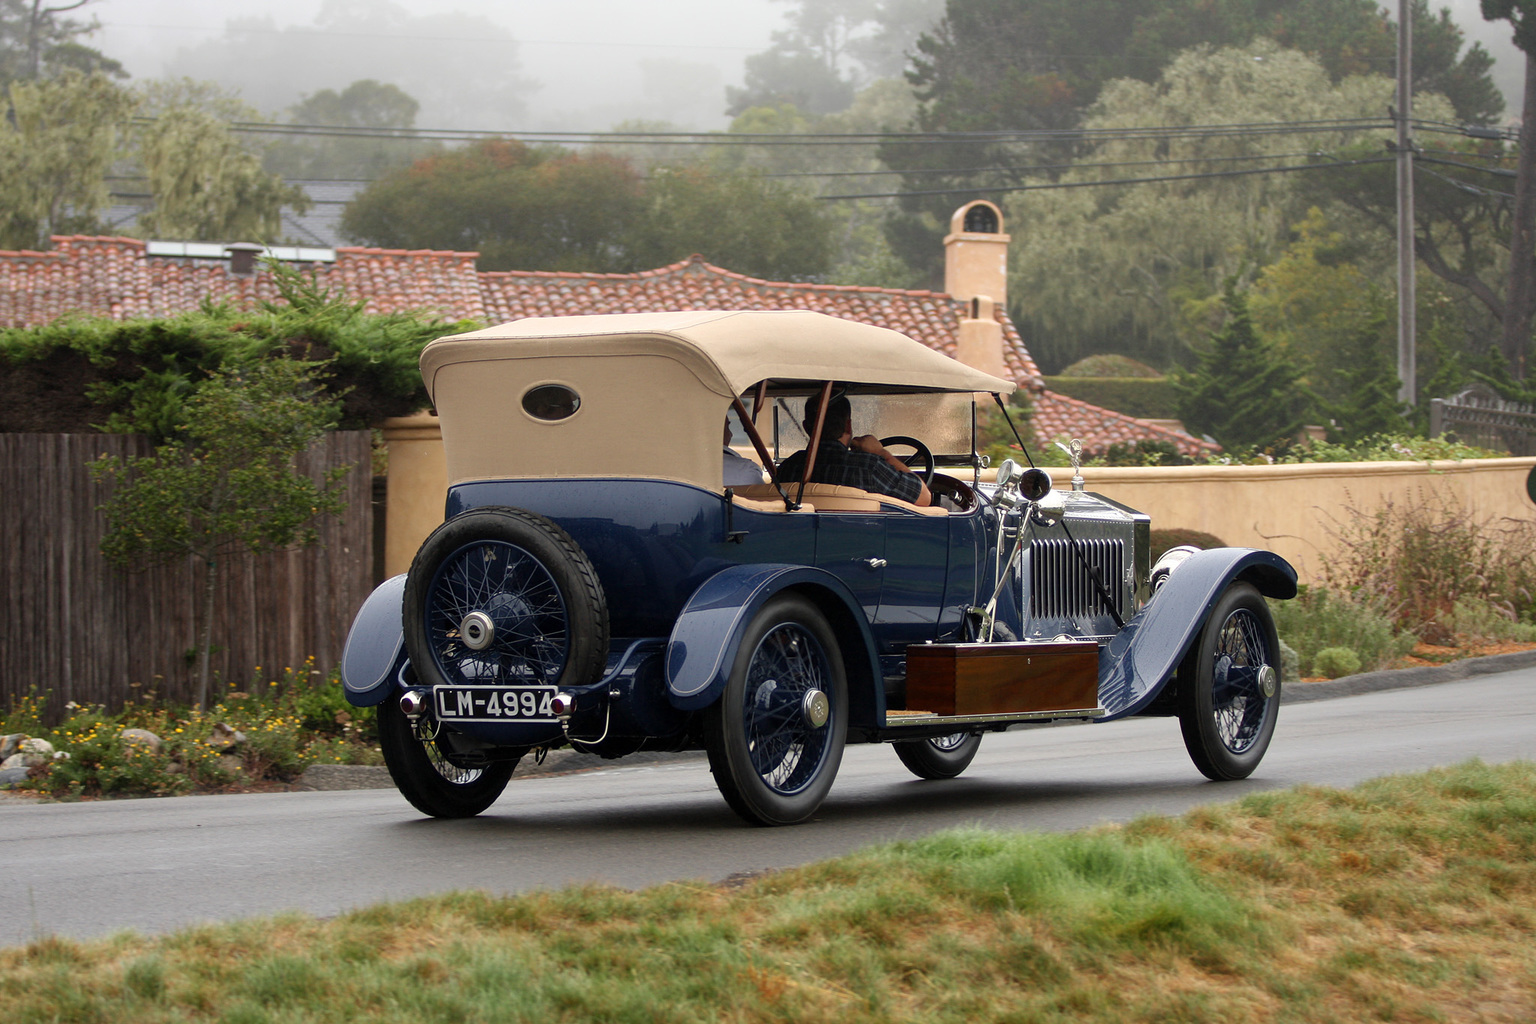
column 941, row 421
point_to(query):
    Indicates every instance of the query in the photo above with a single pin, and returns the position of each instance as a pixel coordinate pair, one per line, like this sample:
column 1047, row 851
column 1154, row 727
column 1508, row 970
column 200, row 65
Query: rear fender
column 375, row 651
column 1139, row 661
column 707, row 635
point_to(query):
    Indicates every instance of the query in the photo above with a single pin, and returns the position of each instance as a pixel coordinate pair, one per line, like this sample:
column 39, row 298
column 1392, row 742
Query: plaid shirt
column 836, row 463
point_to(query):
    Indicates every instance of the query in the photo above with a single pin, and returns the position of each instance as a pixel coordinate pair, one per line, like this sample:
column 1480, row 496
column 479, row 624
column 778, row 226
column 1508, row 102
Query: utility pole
column 1407, row 300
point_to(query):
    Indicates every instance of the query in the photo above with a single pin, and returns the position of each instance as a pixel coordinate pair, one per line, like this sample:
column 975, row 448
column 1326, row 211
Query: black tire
column 1229, row 687
column 426, row 777
column 772, row 764
column 529, row 578
column 939, row 757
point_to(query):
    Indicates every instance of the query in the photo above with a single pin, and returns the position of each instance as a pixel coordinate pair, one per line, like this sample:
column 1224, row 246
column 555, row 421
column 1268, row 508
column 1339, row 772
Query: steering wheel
column 923, row 454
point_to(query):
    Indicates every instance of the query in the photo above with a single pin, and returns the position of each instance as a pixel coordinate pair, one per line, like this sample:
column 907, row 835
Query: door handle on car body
column 872, row 563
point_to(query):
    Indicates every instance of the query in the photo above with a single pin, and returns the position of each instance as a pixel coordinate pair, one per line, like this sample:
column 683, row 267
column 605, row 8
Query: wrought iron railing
column 1479, row 416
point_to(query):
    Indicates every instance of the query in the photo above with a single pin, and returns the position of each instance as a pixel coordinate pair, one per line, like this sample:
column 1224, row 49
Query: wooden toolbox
column 1003, row 678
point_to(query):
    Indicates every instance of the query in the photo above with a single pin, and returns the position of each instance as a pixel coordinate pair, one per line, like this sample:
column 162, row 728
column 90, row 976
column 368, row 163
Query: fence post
column 1436, row 417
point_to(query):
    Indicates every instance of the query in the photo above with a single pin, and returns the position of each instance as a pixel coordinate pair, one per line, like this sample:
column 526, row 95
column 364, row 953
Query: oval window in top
column 551, row 402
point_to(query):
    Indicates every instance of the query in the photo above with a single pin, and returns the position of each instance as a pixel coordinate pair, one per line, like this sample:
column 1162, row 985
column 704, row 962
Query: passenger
column 738, row 471
column 860, row 462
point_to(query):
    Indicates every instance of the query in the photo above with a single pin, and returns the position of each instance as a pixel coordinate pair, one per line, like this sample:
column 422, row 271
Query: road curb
column 1407, row 678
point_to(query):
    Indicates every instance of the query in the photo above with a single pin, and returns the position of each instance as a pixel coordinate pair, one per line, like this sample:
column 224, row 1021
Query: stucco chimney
column 976, row 253
column 976, row 272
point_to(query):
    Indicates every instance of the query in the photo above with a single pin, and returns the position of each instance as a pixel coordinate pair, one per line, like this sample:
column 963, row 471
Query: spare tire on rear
column 503, row 596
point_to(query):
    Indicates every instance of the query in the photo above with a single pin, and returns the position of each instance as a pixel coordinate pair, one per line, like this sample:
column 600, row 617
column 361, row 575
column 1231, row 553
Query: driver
column 860, row 462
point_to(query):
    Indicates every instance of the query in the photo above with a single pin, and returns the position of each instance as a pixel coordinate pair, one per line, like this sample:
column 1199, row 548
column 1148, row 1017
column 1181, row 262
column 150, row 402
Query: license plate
column 494, row 703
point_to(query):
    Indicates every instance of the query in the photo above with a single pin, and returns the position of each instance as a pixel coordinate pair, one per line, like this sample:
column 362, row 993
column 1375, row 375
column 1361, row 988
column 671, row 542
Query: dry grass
column 1407, row 899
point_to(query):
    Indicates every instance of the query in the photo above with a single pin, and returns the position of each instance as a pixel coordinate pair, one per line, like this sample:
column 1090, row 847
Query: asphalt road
column 85, row 870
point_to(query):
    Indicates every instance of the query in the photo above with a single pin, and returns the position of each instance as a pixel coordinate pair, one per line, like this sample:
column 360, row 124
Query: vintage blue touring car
column 597, row 585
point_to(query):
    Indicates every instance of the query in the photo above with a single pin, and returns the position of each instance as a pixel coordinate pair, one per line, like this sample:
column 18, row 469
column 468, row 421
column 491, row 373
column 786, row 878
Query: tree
column 1137, row 268
column 547, row 208
column 1318, row 304
column 207, row 184
column 36, row 41
column 365, row 103
column 462, row 68
column 831, row 49
column 1516, row 336
column 1369, row 382
column 1020, row 65
column 521, row 207
column 228, row 484
column 56, row 147
column 743, row 222
column 1242, row 391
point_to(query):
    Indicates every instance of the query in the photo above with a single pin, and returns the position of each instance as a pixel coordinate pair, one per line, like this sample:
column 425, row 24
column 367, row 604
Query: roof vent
column 242, row 257
column 981, row 219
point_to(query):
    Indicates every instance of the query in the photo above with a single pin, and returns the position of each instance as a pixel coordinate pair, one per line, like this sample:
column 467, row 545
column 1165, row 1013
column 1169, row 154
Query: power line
column 1121, row 181
column 1040, row 135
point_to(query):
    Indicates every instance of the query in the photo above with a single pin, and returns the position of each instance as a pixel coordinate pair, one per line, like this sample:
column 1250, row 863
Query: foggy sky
column 579, row 64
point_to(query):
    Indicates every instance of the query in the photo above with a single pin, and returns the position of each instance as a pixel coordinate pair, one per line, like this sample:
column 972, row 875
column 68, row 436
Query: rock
column 11, row 776
column 9, row 744
column 225, row 737
column 30, row 752
column 175, row 768
column 232, row 763
column 141, row 737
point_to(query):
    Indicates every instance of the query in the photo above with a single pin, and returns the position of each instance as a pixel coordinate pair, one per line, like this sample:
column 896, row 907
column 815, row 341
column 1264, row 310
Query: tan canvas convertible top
column 654, row 388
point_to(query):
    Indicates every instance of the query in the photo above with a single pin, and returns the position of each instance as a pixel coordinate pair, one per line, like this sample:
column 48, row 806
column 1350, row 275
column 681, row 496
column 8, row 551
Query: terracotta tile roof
column 114, row 277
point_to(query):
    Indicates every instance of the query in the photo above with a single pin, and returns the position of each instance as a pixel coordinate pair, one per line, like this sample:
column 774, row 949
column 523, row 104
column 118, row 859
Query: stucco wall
column 1294, row 510
column 1287, row 509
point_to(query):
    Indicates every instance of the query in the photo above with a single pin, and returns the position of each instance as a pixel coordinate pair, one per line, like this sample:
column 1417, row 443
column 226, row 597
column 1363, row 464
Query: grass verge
column 1407, row 899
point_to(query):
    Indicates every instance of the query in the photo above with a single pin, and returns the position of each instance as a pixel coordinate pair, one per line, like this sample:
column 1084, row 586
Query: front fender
column 375, row 650
column 1139, row 661
column 708, row 633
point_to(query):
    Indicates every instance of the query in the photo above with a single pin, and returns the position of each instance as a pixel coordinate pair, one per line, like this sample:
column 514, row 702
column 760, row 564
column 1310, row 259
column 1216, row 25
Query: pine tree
column 1243, row 392
column 1370, row 384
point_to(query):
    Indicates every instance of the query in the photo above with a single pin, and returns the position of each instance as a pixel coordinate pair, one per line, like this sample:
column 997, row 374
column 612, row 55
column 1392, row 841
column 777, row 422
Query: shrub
column 1472, row 617
column 1335, row 662
column 1318, row 619
column 1146, row 398
column 289, row 722
column 1418, row 559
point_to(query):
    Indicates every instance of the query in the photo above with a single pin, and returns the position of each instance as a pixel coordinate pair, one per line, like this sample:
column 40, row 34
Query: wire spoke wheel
column 526, row 633
column 776, row 736
column 1229, row 686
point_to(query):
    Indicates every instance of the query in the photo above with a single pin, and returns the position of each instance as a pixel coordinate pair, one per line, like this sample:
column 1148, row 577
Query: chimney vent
column 242, row 257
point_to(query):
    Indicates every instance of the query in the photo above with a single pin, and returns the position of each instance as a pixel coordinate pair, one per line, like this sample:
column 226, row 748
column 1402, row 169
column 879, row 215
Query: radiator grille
column 1059, row 586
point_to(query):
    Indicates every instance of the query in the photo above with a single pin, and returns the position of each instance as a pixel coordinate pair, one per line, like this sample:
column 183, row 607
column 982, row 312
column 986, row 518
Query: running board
column 927, row 719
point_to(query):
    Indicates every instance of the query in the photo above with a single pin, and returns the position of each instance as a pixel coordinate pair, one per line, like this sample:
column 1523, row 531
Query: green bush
column 290, row 721
column 1474, row 617
column 1334, row 662
column 1144, row 398
column 76, row 375
column 1318, row 619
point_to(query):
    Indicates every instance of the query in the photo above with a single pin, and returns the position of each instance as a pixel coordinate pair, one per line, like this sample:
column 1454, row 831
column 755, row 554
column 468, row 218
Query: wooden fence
column 76, row 627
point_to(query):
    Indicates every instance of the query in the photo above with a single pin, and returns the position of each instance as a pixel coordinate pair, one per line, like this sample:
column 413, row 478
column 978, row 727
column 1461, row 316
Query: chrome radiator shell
column 1056, row 592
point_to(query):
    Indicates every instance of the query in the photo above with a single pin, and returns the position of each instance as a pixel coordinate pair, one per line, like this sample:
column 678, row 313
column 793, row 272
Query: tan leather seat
column 837, row 498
